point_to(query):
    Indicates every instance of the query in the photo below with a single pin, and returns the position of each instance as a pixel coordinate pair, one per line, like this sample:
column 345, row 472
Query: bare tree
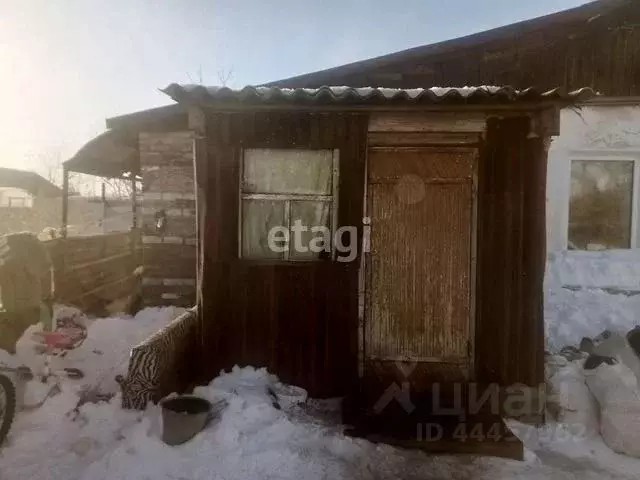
column 51, row 165
column 224, row 76
column 198, row 80
column 118, row 188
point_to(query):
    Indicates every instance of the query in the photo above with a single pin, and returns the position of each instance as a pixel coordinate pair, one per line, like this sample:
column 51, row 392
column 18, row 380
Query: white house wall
column 587, row 132
column 9, row 194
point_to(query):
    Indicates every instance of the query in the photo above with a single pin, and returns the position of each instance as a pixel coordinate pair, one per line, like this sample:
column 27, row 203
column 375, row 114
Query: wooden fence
column 91, row 272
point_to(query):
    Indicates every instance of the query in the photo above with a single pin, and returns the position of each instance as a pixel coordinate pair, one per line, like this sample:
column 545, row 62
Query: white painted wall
column 588, row 132
column 8, row 194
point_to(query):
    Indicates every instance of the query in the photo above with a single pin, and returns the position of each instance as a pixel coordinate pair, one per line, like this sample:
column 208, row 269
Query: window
column 603, row 203
column 17, row 202
column 288, row 204
column 15, row 197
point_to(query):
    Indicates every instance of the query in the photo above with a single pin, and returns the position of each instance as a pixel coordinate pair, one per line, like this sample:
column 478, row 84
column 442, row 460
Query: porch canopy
column 114, row 153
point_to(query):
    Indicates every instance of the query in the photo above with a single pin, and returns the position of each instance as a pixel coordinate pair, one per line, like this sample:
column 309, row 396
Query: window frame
column 610, row 156
column 17, row 202
column 287, row 198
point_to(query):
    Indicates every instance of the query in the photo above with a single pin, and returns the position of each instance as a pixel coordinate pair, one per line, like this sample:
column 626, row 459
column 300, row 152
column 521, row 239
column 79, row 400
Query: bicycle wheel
column 7, row 406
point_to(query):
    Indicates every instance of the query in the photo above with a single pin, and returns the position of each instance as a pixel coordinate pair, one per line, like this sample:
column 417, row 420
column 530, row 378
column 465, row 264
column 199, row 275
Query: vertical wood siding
column 511, row 255
column 420, row 289
column 419, row 295
column 299, row 320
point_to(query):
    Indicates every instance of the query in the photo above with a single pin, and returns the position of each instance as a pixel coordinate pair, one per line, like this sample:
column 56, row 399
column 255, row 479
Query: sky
column 67, row 65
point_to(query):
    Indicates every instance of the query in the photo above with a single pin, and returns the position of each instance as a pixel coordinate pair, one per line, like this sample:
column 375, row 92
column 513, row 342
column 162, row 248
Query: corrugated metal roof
column 111, row 154
column 370, row 95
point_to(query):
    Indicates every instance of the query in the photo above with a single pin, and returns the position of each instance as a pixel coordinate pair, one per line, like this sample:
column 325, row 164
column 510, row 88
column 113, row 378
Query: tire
column 8, row 391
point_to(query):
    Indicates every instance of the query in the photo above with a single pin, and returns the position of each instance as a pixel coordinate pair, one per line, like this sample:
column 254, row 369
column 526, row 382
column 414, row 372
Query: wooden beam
column 417, row 139
column 450, row 122
column 65, row 201
column 103, row 197
column 197, row 121
column 134, row 202
column 547, row 122
column 489, row 109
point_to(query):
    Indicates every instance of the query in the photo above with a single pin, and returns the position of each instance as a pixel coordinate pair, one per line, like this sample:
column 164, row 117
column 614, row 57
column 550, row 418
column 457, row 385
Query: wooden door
column 420, row 265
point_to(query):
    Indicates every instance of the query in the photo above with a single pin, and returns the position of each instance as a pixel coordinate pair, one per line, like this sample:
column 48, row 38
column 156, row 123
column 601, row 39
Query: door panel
column 419, row 268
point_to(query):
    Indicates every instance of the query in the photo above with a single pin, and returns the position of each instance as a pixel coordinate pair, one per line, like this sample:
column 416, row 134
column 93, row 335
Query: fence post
column 134, row 201
column 65, row 200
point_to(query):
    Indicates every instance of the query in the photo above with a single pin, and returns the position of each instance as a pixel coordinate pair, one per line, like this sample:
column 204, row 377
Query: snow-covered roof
column 371, row 95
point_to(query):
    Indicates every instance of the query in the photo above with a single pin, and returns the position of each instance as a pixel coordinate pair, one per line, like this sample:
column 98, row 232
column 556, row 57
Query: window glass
column 292, row 189
column 312, row 243
column 306, row 172
column 601, row 204
column 258, row 218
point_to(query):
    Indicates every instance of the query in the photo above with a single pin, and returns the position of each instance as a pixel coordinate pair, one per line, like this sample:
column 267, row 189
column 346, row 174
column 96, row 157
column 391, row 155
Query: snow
column 252, row 439
column 619, row 269
column 589, row 292
column 103, row 354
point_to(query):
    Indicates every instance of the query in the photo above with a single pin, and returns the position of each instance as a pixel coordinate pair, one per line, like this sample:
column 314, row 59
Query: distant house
column 28, row 202
column 593, row 187
column 19, row 188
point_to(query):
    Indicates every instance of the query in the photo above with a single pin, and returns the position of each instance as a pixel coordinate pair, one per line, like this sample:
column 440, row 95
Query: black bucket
column 183, row 417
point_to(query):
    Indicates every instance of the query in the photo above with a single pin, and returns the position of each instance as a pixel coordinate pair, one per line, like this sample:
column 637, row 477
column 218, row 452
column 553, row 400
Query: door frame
column 369, row 222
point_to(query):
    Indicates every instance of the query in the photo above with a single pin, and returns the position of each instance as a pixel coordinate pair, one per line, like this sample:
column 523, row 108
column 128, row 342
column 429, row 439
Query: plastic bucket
column 290, row 395
column 183, row 417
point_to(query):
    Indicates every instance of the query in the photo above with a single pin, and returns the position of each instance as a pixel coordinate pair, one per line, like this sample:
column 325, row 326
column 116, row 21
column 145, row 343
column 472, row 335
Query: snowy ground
column 253, row 440
column 589, row 292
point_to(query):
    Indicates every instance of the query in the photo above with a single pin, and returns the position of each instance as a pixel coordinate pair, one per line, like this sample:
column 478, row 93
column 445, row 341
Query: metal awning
column 112, row 154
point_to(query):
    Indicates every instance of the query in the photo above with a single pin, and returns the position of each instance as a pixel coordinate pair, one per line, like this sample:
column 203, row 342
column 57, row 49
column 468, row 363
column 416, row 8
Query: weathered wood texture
column 447, row 122
column 511, row 255
column 166, row 160
column 300, row 320
column 169, row 274
column 420, row 290
column 597, row 46
column 90, row 272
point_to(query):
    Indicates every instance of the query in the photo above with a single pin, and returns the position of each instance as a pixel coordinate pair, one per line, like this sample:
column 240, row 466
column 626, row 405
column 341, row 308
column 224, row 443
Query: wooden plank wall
column 91, row 272
column 299, row 320
column 166, row 160
column 509, row 337
column 511, row 255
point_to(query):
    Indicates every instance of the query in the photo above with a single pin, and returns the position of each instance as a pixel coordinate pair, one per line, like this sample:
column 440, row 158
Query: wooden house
column 431, row 207
column 594, row 165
